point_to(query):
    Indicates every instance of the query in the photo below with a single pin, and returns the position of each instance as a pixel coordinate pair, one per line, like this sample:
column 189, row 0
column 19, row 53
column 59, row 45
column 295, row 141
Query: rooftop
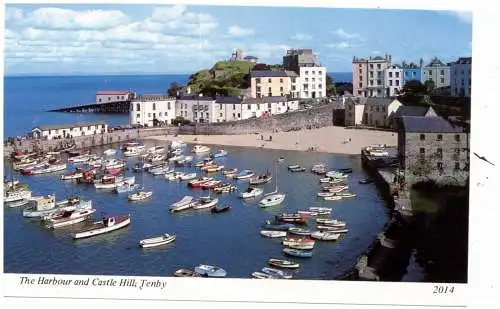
column 251, row 57
column 153, row 97
column 436, row 63
column 464, row 60
column 406, row 110
column 265, row 100
column 67, row 126
column 291, row 73
column 112, row 92
column 195, row 98
column 418, row 124
column 268, row 74
column 369, row 100
column 228, row 100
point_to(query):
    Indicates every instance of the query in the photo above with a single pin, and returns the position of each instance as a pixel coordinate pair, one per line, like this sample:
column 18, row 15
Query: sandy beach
column 327, row 140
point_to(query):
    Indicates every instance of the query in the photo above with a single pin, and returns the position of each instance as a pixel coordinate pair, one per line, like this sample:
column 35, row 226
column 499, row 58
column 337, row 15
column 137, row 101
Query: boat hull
column 103, row 230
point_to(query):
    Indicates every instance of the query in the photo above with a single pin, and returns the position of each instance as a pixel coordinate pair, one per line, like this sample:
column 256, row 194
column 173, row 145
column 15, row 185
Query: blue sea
column 27, row 99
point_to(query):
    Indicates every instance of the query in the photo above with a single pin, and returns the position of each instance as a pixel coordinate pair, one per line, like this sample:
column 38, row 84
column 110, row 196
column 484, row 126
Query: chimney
column 421, row 62
column 390, row 59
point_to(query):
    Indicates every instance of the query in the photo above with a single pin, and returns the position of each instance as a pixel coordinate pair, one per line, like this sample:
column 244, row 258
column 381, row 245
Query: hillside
column 224, row 78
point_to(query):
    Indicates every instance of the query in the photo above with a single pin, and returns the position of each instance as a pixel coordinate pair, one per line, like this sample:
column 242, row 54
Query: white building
column 393, row 80
column 152, row 110
column 295, row 84
column 196, row 108
column 313, row 82
column 70, row 130
column 266, row 106
column 113, row 96
column 369, row 111
column 460, row 77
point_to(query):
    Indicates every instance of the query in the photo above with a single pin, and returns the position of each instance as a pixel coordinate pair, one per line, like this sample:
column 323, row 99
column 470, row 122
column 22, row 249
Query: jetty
column 106, row 102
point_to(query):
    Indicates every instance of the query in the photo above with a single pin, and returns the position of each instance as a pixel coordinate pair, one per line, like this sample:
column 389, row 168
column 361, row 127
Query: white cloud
column 302, row 37
column 12, row 14
column 341, row 45
column 463, row 16
column 342, row 34
column 57, row 18
column 236, row 31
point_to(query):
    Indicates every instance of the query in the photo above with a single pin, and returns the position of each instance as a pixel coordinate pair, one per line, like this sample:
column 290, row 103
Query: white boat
column 177, row 151
column 188, row 176
column 220, row 153
column 332, row 229
column 301, row 246
column 16, row 195
column 174, row 176
column 283, row 263
column 260, row 275
column 331, row 222
column 157, row 241
column 176, row 158
column 205, row 202
column 112, row 163
column 41, row 206
column 157, row 157
column 126, row 187
column 200, row 149
column 161, row 171
column 320, row 209
column 66, row 218
column 157, row 150
column 133, row 145
column 79, row 159
column 75, row 175
column 210, row 271
column 132, row 152
column 186, row 203
column 332, row 198
column 244, row 174
column 48, row 168
column 291, row 167
column 188, row 159
column 251, row 192
column 325, row 235
column 106, row 225
column 18, row 203
column 337, row 189
column 177, row 144
column 140, row 195
column 336, row 175
column 273, row 198
column 276, row 273
column 273, row 234
column 108, row 182
column 345, row 194
column 109, row 152
column 324, row 194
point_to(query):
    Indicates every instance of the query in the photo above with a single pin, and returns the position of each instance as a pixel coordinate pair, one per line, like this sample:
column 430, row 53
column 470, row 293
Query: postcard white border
column 482, row 214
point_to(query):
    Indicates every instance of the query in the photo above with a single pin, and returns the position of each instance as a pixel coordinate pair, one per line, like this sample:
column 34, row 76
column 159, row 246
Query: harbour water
column 230, row 240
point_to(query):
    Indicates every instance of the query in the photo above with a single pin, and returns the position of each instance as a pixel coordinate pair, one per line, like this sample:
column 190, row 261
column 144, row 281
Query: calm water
column 28, row 98
column 230, row 240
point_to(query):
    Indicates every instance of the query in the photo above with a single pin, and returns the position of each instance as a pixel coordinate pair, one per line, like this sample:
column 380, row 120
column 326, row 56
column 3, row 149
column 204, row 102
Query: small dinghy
column 332, row 229
column 297, row 169
column 299, row 231
column 217, row 210
column 283, row 263
column 261, row 179
column 332, row 198
column 276, row 273
column 224, row 188
column 260, row 275
column 277, row 227
column 186, row 203
column 331, row 222
column 245, row 174
column 273, row 234
column 321, row 209
column 220, row 153
column 188, row 176
column 183, row 272
column 109, row 152
column 251, row 192
column 157, row 241
column 297, row 253
column 325, row 235
column 229, row 171
column 290, row 167
column 210, row 271
column 140, row 196
column 366, row 181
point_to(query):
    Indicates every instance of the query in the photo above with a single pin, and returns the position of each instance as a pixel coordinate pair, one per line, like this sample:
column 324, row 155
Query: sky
column 180, row 39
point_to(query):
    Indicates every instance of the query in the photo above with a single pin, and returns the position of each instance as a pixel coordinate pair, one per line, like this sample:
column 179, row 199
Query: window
column 371, row 73
column 314, row 72
column 360, row 72
column 281, row 80
column 457, row 166
column 100, row 100
column 422, row 151
column 390, row 82
column 149, row 116
column 88, row 128
column 430, row 72
column 249, row 106
column 390, row 74
column 307, row 72
column 159, row 114
column 109, row 98
column 257, row 80
column 457, row 137
column 378, row 109
column 234, row 106
column 379, row 82
column 220, row 115
column 239, row 115
column 440, row 165
column 118, row 97
column 439, row 137
column 234, row 115
column 281, row 89
column 258, row 89
column 283, row 103
column 268, row 105
column 307, row 79
column 371, row 65
column 220, row 106
column 440, row 153
column 168, row 105
column 313, row 79
column 397, row 82
column 442, row 80
column 371, row 82
column 442, row 72
column 414, row 74
column 138, row 107
column 379, row 66
column 383, row 109
column 360, row 85
column 397, row 74
column 268, row 80
column 207, row 116
column 269, row 90
column 258, row 106
column 422, row 137
column 320, row 86
column 196, row 114
column 154, row 106
column 123, row 98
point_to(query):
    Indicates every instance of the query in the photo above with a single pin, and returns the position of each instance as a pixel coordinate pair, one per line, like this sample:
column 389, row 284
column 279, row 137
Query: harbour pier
column 121, row 107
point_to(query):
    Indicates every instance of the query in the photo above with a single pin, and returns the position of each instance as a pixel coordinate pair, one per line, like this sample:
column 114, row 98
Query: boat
column 109, row 152
column 295, row 240
column 140, row 195
column 183, row 272
column 251, row 192
column 229, row 171
column 210, row 271
column 112, row 164
column 293, row 166
column 325, row 235
column 314, row 213
column 156, row 150
column 177, row 144
column 106, row 225
column 41, row 206
column 200, row 149
column 189, row 176
column 332, row 198
column 260, row 275
column 17, row 203
column 217, row 210
column 79, row 159
column 335, row 174
column 273, row 234
column 132, row 152
column 325, row 194
column 177, row 152
column 283, row 263
column 197, row 182
column 176, row 158
column 345, row 170
column 245, row 174
column 281, row 159
column 45, row 169
column 204, row 162
column 297, row 253
column 220, row 153
column 301, row 246
column 319, row 169
column 173, row 176
column 108, row 182
column 261, row 179
column 156, row 157
column 205, row 202
column 161, row 170
column 214, row 169
column 210, row 184
column 126, row 187
column 299, row 231
column 332, row 229
column 273, row 198
column 276, row 273
column 224, row 188
column 365, row 181
column 74, row 175
column 135, row 145
column 297, row 169
column 338, row 189
column 66, row 218
column 331, row 222
column 157, row 241
column 321, row 209
column 345, row 194
column 16, row 194
column 185, row 203
column 276, row 226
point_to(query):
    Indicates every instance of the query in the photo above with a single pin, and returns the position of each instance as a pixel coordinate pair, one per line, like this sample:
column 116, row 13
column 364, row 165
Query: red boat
column 196, row 183
column 293, row 218
column 115, row 171
column 210, row 184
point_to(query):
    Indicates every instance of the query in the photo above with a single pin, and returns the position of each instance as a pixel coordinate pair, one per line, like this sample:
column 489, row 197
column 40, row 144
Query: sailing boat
column 273, row 198
column 140, row 194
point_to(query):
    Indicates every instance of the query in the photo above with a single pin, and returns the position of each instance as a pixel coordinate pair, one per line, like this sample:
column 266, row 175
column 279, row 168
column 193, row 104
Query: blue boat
column 220, row 153
column 210, row 271
column 297, row 253
column 277, row 227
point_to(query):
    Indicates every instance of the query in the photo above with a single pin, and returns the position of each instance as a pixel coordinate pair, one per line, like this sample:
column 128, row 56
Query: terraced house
column 270, row 84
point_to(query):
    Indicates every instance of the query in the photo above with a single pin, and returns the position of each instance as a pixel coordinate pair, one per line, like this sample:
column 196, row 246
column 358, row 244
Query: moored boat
column 297, row 169
column 106, row 225
column 261, row 275
column 332, row 198
column 276, row 273
column 261, row 179
column 245, row 174
column 224, row 188
column 331, row 222
column 67, row 218
column 229, row 171
column 224, row 208
column 210, row 271
column 140, row 196
column 205, row 202
column 157, row 241
column 325, row 235
column 109, row 152
column 272, row 200
column 297, row 253
column 332, row 229
column 210, row 184
column 16, row 194
column 273, row 234
column 185, row 203
column 299, row 231
column 197, row 182
column 366, row 181
column 220, row 153
column 183, row 272
column 283, row 263
column 251, row 192
column 200, row 149
column 188, row 176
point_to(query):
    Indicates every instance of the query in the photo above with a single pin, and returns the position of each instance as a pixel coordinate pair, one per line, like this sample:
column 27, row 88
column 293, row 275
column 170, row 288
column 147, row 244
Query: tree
column 331, row 90
column 430, row 86
column 413, row 88
column 173, row 89
column 261, row 67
